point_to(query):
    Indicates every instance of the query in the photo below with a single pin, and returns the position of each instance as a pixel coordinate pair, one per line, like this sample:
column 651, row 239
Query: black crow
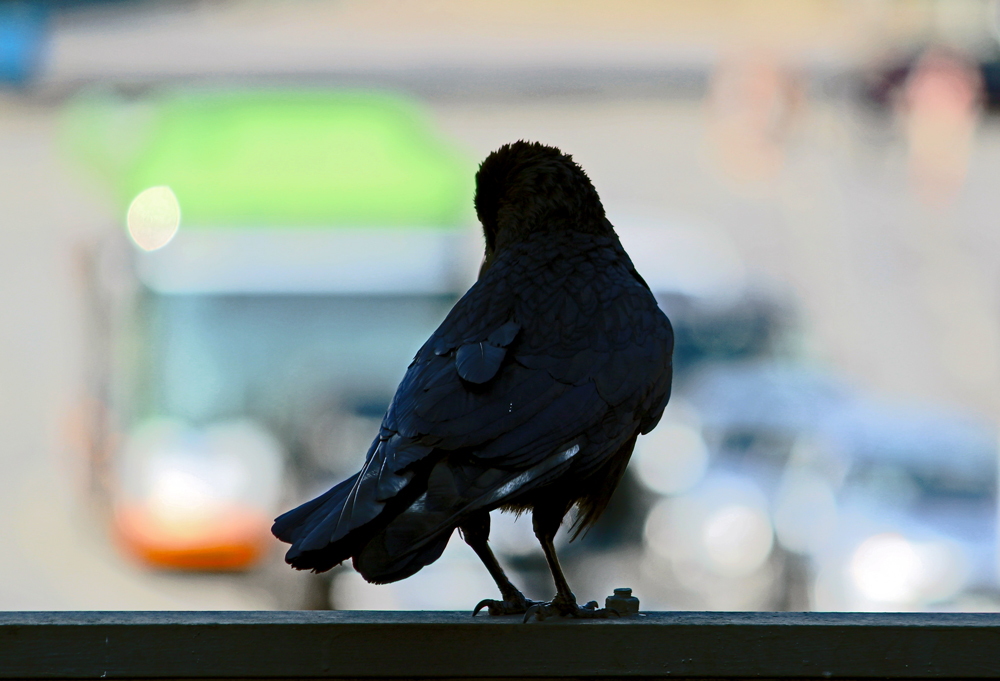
column 529, row 396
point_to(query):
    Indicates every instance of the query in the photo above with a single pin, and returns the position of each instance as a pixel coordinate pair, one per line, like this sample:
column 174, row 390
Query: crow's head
column 526, row 187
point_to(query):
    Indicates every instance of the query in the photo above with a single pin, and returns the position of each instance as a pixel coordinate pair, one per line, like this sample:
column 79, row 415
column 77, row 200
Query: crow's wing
column 564, row 380
column 543, row 349
column 535, row 354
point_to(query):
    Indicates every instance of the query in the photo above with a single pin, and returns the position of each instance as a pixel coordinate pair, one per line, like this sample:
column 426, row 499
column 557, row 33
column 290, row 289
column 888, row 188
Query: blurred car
column 925, row 482
column 885, row 507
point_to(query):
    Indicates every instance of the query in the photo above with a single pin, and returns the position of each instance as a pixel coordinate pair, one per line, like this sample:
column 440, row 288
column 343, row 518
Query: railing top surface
column 384, row 645
column 424, row 617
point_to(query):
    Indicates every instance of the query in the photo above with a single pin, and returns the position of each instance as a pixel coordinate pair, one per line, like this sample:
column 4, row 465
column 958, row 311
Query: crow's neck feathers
column 525, row 188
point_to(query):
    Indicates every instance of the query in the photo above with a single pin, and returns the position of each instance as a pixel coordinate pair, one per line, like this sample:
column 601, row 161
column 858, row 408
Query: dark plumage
column 529, row 396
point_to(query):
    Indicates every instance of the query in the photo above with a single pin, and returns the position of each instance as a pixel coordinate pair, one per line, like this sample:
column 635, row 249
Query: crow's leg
column 476, row 532
column 546, row 522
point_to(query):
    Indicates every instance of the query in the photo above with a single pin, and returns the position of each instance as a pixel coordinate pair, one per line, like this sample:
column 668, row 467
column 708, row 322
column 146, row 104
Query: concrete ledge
column 374, row 645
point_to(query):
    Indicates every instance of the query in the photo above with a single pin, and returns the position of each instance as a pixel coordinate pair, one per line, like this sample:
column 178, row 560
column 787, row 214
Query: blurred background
column 226, row 226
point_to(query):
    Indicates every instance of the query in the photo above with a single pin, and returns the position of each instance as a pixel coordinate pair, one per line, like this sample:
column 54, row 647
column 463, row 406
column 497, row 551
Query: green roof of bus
column 277, row 158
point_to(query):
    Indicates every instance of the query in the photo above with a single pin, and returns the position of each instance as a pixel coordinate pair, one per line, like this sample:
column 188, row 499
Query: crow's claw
column 512, row 607
column 535, row 610
column 541, row 611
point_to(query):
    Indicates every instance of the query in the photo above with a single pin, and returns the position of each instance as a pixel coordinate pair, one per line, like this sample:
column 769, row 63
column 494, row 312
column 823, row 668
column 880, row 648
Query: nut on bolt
column 623, row 602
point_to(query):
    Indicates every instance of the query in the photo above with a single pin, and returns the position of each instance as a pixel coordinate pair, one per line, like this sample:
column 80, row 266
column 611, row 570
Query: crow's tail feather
column 379, row 563
column 293, row 525
column 299, row 524
column 333, row 527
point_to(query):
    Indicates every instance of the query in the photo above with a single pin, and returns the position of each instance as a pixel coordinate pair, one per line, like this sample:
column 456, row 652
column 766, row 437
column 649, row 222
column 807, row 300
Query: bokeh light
column 153, row 218
column 889, row 568
column 720, row 528
column 805, row 513
column 671, row 459
column 197, row 499
column 738, row 539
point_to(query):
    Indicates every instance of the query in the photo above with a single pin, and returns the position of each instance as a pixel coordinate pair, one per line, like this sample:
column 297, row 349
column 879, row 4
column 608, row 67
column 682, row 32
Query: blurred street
column 895, row 292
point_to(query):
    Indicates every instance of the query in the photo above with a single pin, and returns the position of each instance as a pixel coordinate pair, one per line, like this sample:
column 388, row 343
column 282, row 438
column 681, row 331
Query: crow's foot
column 514, row 606
column 559, row 608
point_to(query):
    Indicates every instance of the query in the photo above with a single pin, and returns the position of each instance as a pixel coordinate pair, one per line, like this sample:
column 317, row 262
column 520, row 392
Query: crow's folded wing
column 541, row 361
column 558, row 381
column 515, row 374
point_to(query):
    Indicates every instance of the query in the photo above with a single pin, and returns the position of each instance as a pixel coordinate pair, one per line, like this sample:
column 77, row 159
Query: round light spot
column 887, row 567
column 153, row 218
column 737, row 540
column 671, row 459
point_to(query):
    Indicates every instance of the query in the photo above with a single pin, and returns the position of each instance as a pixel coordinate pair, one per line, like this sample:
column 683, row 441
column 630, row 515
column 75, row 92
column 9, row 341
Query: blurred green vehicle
column 323, row 235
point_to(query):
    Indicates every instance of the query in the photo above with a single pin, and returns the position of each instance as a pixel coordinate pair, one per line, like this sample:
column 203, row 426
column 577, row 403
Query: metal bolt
column 623, row 602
